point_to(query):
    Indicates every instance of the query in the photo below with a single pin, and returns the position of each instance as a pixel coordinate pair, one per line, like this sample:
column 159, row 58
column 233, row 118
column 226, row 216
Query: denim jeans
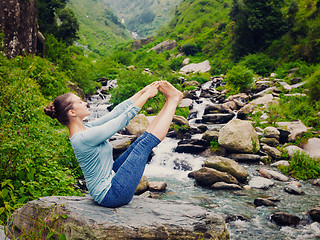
column 129, row 168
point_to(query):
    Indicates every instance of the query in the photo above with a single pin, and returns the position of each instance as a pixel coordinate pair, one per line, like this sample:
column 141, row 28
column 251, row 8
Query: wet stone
column 285, row 219
column 264, row 202
column 293, row 189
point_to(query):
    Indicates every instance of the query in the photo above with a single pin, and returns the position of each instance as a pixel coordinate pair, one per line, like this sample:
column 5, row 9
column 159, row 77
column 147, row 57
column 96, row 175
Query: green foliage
column 302, row 166
column 190, row 49
column 69, row 27
column 214, row 146
column 239, row 78
column 260, row 63
column 176, row 63
column 314, row 86
column 257, row 24
column 36, row 157
column 129, row 83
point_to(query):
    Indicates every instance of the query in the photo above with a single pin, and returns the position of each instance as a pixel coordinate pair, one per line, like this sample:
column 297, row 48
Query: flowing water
column 244, row 219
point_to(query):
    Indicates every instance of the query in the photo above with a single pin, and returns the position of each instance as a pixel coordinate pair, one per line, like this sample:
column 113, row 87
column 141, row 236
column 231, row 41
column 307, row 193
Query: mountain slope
column 144, row 17
column 100, row 29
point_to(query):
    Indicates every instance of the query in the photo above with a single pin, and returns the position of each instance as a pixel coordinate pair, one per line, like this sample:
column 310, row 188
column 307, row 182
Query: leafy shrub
column 36, row 157
column 176, row 63
column 302, row 166
column 199, row 79
column 259, row 63
column 314, row 86
column 190, row 49
column 239, row 78
column 129, row 83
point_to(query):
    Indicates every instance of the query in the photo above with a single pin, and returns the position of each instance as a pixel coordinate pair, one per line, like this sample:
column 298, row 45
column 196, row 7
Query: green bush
column 239, row 78
column 36, row 158
column 302, row 166
column 260, row 64
column 129, row 83
column 190, row 49
column 314, row 86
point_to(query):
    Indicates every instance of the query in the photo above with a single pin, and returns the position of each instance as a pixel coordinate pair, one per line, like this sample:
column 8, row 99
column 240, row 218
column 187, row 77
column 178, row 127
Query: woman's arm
column 96, row 135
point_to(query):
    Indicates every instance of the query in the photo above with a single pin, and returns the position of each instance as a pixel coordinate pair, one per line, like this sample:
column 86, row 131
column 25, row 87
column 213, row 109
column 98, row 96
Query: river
column 244, row 219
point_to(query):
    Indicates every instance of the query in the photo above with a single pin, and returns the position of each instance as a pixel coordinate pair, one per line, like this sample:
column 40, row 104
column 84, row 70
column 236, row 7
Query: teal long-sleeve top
column 94, row 152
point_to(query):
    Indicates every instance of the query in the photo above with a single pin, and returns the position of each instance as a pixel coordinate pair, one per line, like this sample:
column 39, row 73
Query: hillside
column 144, row 17
column 100, row 29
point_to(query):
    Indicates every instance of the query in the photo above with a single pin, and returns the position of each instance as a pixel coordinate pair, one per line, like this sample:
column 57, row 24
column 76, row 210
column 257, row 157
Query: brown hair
column 59, row 108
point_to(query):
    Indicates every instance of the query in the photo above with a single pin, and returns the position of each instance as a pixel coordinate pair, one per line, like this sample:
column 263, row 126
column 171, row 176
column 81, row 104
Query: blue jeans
column 129, row 168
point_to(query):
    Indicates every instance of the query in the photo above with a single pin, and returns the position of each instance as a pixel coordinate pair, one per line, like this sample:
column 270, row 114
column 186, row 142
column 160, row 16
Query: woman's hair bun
column 50, row 111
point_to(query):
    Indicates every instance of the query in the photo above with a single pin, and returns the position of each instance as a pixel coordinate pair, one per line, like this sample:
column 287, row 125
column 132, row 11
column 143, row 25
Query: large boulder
column 227, row 165
column 312, row 147
column 138, row 125
column 196, row 67
column 208, row 176
column 18, row 22
column 239, row 136
column 142, row 218
column 164, row 46
column 296, row 129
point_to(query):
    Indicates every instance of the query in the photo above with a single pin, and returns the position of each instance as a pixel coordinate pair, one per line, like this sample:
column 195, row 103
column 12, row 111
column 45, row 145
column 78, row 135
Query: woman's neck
column 76, row 126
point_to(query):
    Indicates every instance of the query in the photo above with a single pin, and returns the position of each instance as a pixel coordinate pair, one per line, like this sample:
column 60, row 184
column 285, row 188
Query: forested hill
column 226, row 31
column 144, row 17
column 100, row 29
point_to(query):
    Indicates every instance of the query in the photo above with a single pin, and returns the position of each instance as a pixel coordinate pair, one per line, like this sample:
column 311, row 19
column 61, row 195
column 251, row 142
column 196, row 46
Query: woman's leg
column 161, row 123
column 120, row 160
column 127, row 178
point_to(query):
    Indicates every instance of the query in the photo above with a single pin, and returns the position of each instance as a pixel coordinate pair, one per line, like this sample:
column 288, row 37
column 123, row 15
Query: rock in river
column 142, row 218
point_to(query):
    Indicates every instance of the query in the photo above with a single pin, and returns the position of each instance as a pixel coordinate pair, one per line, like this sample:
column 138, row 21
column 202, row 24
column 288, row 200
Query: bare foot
column 170, row 91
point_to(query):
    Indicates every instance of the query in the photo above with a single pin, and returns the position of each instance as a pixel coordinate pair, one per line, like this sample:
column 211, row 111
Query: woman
column 113, row 183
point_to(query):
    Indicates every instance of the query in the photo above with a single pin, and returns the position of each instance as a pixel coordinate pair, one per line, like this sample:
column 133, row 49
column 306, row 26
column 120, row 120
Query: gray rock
column 271, row 132
column 264, row 202
column 156, row 186
column 296, row 129
column 266, row 99
column 164, row 46
column 227, row 165
column 260, row 183
column 271, row 151
column 186, row 102
column 312, row 147
column 293, row 189
column 180, row 120
column 210, row 135
column 316, row 182
column 292, row 149
column 244, row 111
column 269, row 141
column 226, row 186
column 243, row 157
column 138, row 125
column 281, row 162
column 196, row 67
column 264, row 92
column 285, row 219
column 191, row 146
column 120, row 143
column 142, row 186
column 2, row 234
column 273, row 174
column 142, row 218
column 314, row 214
column 208, row 176
column 217, row 118
column 239, row 136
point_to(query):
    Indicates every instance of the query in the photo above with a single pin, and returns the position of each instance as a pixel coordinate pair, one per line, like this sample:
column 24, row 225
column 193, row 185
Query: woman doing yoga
column 113, row 183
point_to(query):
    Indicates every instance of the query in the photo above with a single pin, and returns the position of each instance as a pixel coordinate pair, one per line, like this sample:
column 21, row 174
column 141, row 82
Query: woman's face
column 79, row 107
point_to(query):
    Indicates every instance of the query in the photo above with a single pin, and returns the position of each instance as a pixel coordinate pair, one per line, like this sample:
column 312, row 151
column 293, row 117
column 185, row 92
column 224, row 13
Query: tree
column 257, row 24
column 69, row 27
column 49, row 11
